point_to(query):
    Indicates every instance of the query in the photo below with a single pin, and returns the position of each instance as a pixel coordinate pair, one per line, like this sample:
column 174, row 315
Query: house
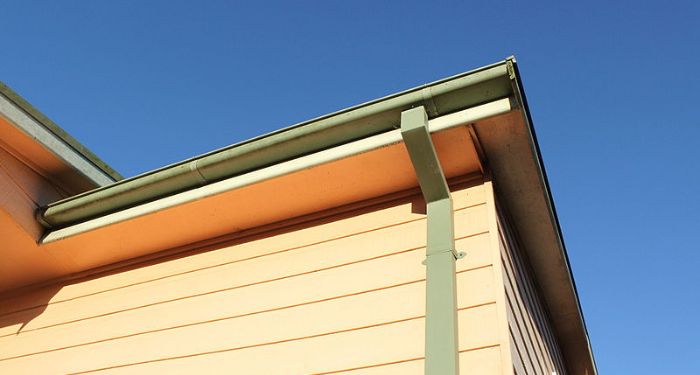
column 412, row 234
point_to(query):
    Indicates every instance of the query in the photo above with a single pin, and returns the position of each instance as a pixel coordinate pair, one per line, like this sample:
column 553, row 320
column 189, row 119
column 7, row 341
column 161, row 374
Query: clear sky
column 613, row 88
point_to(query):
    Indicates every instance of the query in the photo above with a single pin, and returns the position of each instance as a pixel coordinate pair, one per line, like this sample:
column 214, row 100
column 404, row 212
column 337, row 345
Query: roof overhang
column 225, row 192
column 29, row 133
column 520, row 180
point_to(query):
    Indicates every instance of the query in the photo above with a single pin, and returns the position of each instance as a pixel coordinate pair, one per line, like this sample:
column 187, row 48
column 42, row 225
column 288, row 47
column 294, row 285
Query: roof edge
column 57, row 131
column 441, row 97
column 521, row 98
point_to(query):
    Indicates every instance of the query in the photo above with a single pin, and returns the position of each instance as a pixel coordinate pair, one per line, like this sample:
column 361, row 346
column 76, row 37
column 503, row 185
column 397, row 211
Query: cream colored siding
column 342, row 294
column 533, row 347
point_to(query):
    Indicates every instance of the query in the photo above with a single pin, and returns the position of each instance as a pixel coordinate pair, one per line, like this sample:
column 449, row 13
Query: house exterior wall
column 342, row 294
column 533, row 346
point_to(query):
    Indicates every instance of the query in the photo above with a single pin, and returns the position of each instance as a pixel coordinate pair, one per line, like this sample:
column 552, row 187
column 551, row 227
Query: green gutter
column 439, row 98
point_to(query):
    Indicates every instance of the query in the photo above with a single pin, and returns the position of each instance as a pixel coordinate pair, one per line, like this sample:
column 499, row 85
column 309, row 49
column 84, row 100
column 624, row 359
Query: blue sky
column 612, row 87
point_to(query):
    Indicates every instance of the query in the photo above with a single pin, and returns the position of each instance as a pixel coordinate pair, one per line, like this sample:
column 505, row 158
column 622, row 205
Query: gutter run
column 439, row 98
column 469, row 115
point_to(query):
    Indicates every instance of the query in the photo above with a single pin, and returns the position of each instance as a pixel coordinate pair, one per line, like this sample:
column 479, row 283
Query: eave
column 142, row 215
column 27, row 130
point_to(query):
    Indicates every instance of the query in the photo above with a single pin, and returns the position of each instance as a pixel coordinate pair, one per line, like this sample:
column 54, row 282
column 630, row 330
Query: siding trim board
column 495, row 250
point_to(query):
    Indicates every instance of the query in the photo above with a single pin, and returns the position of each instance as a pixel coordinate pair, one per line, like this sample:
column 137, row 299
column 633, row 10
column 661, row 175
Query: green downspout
column 441, row 346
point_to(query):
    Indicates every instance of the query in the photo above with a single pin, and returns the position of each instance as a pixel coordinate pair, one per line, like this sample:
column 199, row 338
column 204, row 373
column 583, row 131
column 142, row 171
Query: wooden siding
column 534, row 349
column 342, row 295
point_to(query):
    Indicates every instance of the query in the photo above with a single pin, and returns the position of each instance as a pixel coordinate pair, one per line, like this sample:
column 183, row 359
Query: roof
column 43, row 121
column 235, row 187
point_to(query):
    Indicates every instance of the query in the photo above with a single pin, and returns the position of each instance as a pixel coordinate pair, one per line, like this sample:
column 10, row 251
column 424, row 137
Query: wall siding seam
column 545, row 315
column 295, row 248
column 285, row 277
column 524, row 332
column 553, row 349
column 520, row 340
column 250, row 342
column 524, row 314
column 462, row 182
column 243, row 347
column 523, row 278
column 370, row 366
column 370, row 326
column 515, row 319
column 187, row 272
column 402, row 361
column 306, row 303
column 516, row 349
column 218, row 291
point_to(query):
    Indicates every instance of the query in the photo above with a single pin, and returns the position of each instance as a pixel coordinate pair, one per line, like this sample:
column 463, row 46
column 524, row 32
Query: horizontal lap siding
column 345, row 295
column 533, row 347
